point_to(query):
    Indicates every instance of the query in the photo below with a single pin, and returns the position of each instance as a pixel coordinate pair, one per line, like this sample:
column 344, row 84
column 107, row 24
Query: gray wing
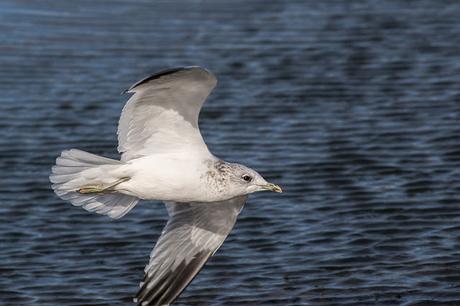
column 193, row 233
column 162, row 115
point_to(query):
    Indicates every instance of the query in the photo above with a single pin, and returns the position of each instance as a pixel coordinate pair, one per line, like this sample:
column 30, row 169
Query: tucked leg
column 101, row 188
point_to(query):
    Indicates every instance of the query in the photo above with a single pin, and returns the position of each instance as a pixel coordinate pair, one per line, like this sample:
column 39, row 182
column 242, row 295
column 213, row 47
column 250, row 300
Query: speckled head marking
column 217, row 175
column 232, row 179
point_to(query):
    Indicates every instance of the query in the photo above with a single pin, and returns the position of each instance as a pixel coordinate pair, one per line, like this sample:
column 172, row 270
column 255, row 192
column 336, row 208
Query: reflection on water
column 353, row 107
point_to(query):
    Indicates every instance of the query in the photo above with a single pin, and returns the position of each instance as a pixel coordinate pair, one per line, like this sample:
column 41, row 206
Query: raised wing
column 193, row 233
column 162, row 115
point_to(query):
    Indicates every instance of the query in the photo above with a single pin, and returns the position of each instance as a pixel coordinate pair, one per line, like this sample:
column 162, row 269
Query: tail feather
column 74, row 169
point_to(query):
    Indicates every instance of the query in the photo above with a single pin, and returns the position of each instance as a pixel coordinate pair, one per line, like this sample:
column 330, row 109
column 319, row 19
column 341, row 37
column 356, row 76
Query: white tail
column 75, row 168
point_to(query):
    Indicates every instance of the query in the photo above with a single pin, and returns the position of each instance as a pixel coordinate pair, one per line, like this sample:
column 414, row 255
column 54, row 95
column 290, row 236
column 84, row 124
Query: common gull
column 164, row 157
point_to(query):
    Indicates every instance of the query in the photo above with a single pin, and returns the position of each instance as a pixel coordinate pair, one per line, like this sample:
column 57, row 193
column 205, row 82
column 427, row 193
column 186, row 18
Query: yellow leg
column 101, row 188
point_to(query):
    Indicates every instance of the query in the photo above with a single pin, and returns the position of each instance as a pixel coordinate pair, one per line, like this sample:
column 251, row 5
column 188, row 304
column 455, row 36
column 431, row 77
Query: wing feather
column 162, row 115
column 193, row 233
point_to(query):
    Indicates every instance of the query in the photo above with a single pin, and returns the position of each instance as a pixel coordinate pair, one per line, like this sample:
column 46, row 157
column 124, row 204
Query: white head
column 243, row 180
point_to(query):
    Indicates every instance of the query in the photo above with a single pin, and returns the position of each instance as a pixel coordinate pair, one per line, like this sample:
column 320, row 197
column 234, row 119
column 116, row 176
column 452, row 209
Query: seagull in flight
column 164, row 157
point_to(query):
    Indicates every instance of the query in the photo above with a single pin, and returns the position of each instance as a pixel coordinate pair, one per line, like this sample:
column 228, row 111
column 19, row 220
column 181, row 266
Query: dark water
column 352, row 106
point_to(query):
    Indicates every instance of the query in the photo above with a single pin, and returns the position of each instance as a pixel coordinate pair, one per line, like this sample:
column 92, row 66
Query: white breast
column 166, row 177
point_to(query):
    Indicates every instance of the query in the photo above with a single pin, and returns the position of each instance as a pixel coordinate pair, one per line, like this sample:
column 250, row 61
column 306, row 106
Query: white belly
column 166, row 177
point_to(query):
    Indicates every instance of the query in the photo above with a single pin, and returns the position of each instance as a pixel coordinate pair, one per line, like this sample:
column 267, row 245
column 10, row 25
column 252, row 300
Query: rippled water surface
column 352, row 106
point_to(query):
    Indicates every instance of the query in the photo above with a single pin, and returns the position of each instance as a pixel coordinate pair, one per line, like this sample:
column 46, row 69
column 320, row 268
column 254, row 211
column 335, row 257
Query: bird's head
column 246, row 180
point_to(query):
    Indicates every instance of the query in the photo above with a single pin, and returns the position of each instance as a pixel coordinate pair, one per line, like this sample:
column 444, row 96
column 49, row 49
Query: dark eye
column 247, row 178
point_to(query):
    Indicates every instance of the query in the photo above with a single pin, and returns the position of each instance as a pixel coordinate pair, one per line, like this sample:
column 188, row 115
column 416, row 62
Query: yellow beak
column 272, row 187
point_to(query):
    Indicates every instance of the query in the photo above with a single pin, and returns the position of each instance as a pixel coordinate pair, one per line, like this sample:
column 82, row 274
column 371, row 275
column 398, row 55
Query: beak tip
column 274, row 188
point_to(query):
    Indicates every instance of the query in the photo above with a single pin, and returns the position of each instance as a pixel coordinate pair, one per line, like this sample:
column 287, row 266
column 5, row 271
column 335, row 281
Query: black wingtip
column 166, row 290
column 163, row 73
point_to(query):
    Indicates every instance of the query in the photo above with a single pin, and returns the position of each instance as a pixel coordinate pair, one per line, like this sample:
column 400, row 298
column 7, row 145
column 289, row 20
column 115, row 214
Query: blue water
column 351, row 106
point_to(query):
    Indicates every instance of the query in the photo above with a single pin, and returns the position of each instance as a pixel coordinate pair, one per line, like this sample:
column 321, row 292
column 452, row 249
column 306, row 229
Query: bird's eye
column 247, row 178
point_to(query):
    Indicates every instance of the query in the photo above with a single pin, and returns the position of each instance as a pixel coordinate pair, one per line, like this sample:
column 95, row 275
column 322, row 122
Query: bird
column 164, row 158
